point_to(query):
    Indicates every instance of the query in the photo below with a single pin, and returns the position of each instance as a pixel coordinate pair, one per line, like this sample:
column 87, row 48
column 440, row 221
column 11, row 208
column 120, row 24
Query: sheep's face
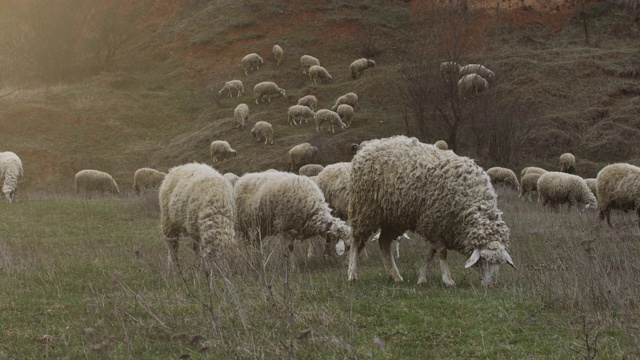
column 487, row 261
column 10, row 196
column 340, row 234
column 282, row 92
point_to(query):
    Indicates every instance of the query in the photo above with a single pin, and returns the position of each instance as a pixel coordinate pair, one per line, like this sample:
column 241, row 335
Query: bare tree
column 633, row 7
column 111, row 30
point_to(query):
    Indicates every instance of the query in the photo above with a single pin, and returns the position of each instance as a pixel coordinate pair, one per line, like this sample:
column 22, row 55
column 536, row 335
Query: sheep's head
column 282, row 92
column 371, row 63
column 487, row 261
column 10, row 195
column 339, row 233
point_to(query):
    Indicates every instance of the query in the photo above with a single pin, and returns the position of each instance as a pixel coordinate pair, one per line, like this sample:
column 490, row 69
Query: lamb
column 297, row 113
column 346, row 113
column 349, row 99
column 309, row 101
column 592, row 184
column 221, row 150
column 197, row 202
column 325, row 115
column 302, row 154
column 268, row 89
column 235, row 85
column 532, row 170
column 400, row 184
column 318, row 73
column 618, row 188
column 93, row 180
column 278, row 53
column 307, row 61
column 10, row 174
column 471, row 84
column 450, row 70
column 501, row 175
column 310, row 170
column 147, row 178
column 528, row 184
column 568, row 163
column 476, row 69
column 241, row 115
column 231, row 177
column 441, row 144
column 359, row 66
column 263, row 130
column 556, row 188
column 251, row 60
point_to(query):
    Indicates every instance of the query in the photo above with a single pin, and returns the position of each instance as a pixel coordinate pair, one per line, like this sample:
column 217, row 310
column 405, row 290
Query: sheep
column 476, row 69
column 346, row 113
column 359, row 66
column 592, row 184
column 302, row 154
column 618, row 188
column 147, row 178
column 349, row 99
column 325, row 115
column 231, row 177
column 318, row 73
column 197, row 202
column 309, row 101
column 471, row 84
column 94, row 180
column 400, row 184
column 307, row 61
column 310, row 170
column 441, row 144
column 528, row 184
column 298, row 113
column 10, row 174
column 532, row 170
column 263, row 130
column 241, row 115
column 500, row 175
column 568, row 163
column 249, row 61
column 235, row 85
column 278, row 53
column 556, row 188
column 221, row 150
column 450, row 70
column 268, row 89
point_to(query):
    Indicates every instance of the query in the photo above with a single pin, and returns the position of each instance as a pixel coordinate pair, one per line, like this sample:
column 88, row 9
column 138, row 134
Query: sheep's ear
column 475, row 256
column 508, row 258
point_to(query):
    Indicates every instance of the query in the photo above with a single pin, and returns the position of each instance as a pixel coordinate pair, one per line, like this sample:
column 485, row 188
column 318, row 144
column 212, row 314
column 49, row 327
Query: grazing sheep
column 471, row 84
column 400, row 184
column 346, row 114
column 532, row 170
column 147, row 178
column 592, row 184
column 251, row 60
column 325, row 115
column 359, row 66
column 556, row 188
column 231, row 177
column 318, row 73
column 441, row 144
column 278, row 53
column 528, row 184
column 297, row 113
column 450, row 70
column 10, row 174
column 94, row 180
column 309, row 101
column 263, row 130
column 268, row 89
column 307, row 61
column 235, row 85
column 197, row 202
column 500, row 175
column 349, row 99
column 241, row 115
column 568, row 163
column 302, row 154
column 476, row 69
column 618, row 188
column 221, row 150
column 310, row 170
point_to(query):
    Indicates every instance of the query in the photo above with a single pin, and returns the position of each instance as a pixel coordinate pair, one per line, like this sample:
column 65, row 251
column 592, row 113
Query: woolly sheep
column 309, row 101
column 318, row 73
column 302, row 154
column 556, row 188
column 450, row 70
column 307, row 61
column 147, row 178
column 235, row 85
column 501, row 175
column 400, row 184
column 231, row 177
column 471, row 84
column 297, row 113
column 197, row 202
column 241, row 115
column 618, row 188
column 441, row 144
column 278, row 53
column 263, row 130
column 331, row 117
column 568, row 163
column 592, row 184
column 310, row 170
column 251, row 60
column 10, row 174
column 476, row 69
column 268, row 89
column 528, row 184
column 94, row 180
column 349, row 99
column 532, row 170
column 346, row 113
column 359, row 66
column 221, row 150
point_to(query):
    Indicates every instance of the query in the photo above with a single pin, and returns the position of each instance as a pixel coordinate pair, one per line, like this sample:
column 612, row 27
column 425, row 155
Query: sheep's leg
column 397, row 242
column 422, row 273
column 172, row 245
column 386, row 237
column 446, row 275
column 353, row 261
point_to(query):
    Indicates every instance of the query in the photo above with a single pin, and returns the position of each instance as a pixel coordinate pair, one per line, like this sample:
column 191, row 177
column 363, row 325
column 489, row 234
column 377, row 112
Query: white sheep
column 235, row 85
column 359, row 66
column 318, row 73
column 94, row 180
column 231, row 177
column 307, row 61
column 400, row 184
column 471, row 84
column 528, row 184
column 441, row 144
column 349, row 99
column 268, row 89
column 10, row 174
column 241, row 115
column 331, row 117
column 278, row 53
column 309, row 101
column 310, row 170
column 450, row 70
column 592, row 184
column 568, row 163
column 147, row 178
column 221, row 150
column 297, row 113
column 501, row 175
column 263, row 130
column 618, row 188
column 197, row 202
column 251, row 60
column 346, row 113
column 556, row 188
column 532, row 170
column 476, row 69
column 302, row 154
